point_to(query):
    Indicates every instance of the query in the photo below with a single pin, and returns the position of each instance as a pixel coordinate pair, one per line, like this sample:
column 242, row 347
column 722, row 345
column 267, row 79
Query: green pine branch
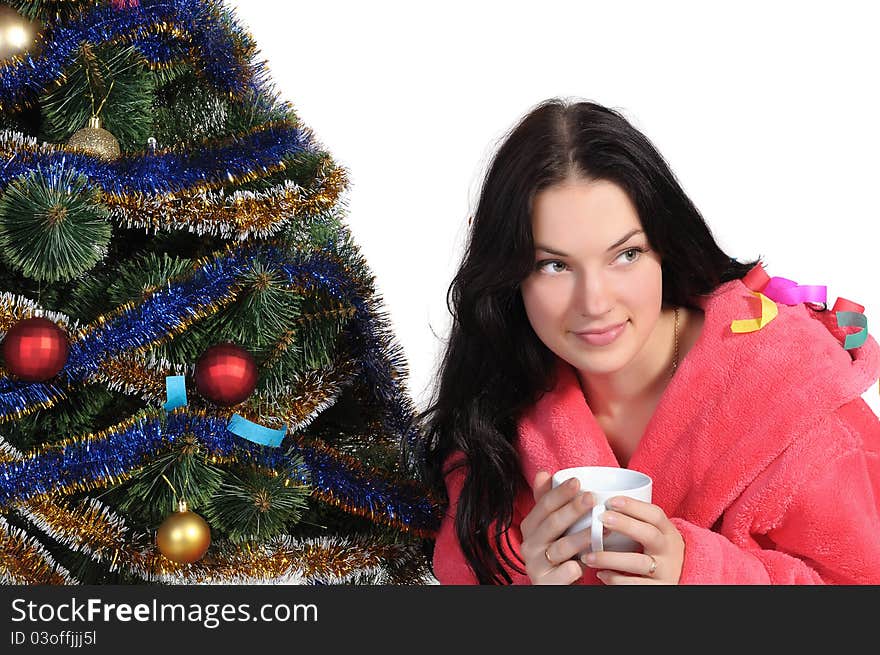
column 310, row 341
column 265, row 307
column 254, row 506
column 51, row 11
column 111, row 81
column 52, row 226
column 252, row 111
column 187, row 110
column 302, row 168
column 147, row 272
column 88, row 410
column 183, row 473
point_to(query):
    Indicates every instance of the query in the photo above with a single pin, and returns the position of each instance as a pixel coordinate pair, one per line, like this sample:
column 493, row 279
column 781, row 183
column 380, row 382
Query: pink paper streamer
column 789, row 292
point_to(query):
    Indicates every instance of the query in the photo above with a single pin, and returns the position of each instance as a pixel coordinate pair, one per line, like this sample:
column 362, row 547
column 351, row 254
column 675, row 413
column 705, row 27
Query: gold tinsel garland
column 135, row 377
column 23, row 560
column 8, row 453
column 199, row 207
column 242, row 215
column 306, row 396
column 94, row 529
column 14, row 308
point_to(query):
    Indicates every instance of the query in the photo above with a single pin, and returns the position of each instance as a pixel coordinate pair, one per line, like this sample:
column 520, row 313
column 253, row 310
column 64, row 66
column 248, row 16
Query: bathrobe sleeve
column 812, row 517
column 450, row 565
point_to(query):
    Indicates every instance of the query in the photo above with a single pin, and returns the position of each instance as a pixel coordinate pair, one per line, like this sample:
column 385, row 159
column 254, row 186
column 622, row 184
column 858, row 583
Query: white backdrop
column 767, row 113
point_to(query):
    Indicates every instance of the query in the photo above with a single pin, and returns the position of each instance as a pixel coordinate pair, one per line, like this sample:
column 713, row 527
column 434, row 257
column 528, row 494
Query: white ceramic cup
column 605, row 482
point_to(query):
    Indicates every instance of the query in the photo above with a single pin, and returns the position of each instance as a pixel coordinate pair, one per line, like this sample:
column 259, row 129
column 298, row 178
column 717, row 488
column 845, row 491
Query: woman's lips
column 604, row 338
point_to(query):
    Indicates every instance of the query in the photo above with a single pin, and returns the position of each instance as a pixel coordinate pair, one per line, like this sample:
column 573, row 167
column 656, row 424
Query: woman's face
column 591, row 272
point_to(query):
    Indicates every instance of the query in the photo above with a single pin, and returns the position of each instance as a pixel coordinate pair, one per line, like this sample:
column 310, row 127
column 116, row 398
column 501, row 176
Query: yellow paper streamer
column 769, row 311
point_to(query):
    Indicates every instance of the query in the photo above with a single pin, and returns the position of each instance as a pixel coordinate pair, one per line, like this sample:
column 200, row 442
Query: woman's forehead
column 597, row 204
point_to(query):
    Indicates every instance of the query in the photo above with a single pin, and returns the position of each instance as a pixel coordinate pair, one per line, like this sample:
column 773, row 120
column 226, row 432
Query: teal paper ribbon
column 853, row 319
column 175, row 390
column 254, row 432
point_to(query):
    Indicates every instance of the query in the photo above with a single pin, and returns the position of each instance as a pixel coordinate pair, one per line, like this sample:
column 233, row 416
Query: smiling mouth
column 608, row 329
column 602, row 338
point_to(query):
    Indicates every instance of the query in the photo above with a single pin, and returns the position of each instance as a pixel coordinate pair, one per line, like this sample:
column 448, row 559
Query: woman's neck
column 643, row 381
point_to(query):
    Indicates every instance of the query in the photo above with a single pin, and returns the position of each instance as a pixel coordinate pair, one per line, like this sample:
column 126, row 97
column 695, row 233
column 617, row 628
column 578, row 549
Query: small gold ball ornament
column 95, row 140
column 184, row 537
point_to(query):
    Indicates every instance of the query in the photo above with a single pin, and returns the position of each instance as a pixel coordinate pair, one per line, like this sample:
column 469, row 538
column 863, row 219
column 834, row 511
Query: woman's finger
column 547, row 503
column 647, row 534
column 615, row 578
column 564, row 574
column 634, row 563
column 639, row 509
column 569, row 546
column 557, row 522
column 542, row 484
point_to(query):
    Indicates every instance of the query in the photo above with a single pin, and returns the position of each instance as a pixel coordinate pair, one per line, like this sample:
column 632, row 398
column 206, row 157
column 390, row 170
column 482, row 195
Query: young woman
column 592, row 325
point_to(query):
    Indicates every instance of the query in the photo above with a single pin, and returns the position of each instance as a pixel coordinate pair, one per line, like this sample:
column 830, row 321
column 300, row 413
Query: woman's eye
column 556, row 266
column 550, row 262
column 637, row 252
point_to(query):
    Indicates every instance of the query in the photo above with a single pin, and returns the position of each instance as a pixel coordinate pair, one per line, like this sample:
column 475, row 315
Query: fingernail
column 617, row 502
column 587, row 499
column 589, row 558
column 573, row 483
column 607, row 518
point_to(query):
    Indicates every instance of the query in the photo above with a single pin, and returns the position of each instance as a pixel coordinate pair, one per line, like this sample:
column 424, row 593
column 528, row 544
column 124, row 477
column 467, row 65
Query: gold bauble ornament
column 184, row 537
column 18, row 35
column 95, row 140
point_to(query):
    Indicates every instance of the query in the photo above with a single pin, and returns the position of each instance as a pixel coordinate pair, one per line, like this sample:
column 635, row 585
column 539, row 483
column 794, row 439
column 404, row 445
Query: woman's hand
column 663, row 555
column 547, row 554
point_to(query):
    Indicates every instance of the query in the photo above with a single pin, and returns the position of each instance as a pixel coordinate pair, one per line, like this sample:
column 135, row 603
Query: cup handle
column 596, row 528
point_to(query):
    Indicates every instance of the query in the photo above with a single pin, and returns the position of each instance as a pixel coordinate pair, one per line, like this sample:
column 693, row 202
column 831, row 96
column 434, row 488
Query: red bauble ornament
column 226, row 374
column 35, row 349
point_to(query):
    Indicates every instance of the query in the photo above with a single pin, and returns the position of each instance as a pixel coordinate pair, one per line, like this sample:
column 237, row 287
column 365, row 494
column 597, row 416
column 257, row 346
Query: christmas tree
column 199, row 384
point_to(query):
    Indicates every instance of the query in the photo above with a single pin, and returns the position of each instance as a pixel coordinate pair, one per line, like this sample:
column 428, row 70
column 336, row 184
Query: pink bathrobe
column 762, row 452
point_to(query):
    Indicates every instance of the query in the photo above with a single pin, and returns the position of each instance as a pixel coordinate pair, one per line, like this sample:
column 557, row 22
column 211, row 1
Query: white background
column 767, row 113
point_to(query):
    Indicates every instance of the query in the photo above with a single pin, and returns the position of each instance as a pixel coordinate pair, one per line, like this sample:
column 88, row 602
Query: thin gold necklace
column 675, row 356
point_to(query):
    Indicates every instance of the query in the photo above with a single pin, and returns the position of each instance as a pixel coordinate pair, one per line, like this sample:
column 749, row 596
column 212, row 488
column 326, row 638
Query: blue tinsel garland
column 169, row 172
column 159, row 314
column 212, row 39
column 127, row 448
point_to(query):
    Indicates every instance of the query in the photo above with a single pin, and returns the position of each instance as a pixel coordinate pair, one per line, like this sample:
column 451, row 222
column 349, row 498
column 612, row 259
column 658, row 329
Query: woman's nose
column 594, row 297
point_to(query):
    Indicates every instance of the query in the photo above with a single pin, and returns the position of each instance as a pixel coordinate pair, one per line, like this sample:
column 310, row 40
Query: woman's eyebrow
column 619, row 242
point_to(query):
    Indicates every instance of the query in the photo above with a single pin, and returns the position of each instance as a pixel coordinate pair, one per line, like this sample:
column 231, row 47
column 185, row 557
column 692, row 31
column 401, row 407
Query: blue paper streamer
column 175, row 388
column 255, row 432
